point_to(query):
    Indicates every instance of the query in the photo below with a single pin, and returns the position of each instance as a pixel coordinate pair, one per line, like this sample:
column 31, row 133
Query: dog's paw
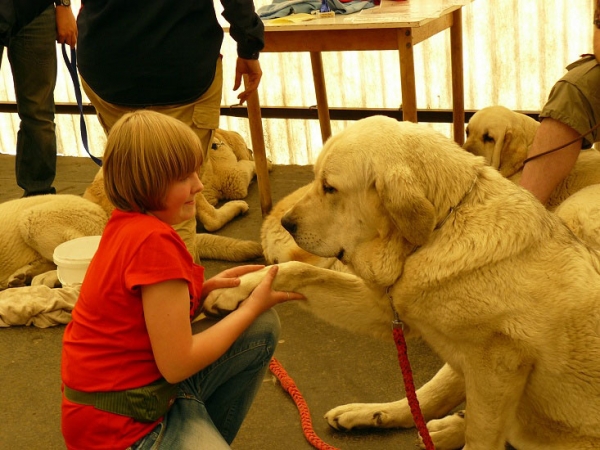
column 239, row 206
column 18, row 279
column 220, row 302
column 49, row 279
column 214, row 219
column 447, row 433
column 359, row 415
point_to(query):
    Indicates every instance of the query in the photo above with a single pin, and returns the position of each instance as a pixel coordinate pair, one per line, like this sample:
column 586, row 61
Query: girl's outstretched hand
column 228, row 278
column 264, row 297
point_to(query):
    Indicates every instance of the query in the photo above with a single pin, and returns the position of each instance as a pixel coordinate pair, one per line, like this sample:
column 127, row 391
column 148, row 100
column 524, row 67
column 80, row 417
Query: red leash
column 290, row 387
column 409, row 385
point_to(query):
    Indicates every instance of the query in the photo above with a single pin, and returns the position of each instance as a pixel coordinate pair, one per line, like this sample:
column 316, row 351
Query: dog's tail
column 212, row 246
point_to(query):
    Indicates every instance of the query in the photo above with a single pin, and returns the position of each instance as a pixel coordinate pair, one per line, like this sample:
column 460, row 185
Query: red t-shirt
column 106, row 346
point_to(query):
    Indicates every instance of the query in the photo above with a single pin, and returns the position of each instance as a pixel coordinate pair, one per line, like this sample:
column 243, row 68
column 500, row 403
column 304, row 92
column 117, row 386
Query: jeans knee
column 269, row 327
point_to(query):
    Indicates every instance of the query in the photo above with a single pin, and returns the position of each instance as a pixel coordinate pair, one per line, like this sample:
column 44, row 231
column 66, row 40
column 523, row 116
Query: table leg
column 407, row 75
column 458, row 89
column 321, row 94
column 258, row 148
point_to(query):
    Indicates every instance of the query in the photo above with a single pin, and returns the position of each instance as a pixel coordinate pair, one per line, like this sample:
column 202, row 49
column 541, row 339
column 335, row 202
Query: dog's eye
column 487, row 138
column 329, row 189
column 467, row 131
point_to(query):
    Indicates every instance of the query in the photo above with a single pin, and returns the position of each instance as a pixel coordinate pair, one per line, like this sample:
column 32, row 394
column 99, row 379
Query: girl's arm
column 180, row 354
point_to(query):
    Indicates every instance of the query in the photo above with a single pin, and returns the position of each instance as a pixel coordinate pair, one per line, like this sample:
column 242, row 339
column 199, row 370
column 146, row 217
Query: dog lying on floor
column 226, row 175
column 503, row 137
column 496, row 284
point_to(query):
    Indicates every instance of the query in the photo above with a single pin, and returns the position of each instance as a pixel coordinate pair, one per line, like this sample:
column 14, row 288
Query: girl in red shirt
column 134, row 373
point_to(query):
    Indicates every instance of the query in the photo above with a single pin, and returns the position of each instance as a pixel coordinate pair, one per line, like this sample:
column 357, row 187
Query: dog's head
column 501, row 136
column 235, row 142
column 378, row 193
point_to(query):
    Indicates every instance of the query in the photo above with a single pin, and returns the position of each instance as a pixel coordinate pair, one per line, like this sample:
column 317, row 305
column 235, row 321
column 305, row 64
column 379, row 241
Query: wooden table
column 396, row 25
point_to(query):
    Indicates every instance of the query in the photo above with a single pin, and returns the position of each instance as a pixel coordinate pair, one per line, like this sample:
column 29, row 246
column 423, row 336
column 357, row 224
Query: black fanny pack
column 145, row 404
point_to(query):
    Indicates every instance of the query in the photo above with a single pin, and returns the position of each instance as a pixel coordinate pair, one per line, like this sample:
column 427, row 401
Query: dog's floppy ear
column 502, row 141
column 409, row 209
column 514, row 150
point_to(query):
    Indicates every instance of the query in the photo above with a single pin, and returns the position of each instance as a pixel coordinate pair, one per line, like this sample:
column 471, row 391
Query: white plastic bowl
column 73, row 257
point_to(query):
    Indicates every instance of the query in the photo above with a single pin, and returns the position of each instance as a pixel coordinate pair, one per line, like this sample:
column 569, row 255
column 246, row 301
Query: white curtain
column 514, row 51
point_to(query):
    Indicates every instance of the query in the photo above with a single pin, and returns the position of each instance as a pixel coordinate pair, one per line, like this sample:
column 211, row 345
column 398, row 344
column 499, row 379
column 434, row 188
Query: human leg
column 229, row 385
column 107, row 113
column 226, row 388
column 32, row 56
column 212, row 404
column 202, row 115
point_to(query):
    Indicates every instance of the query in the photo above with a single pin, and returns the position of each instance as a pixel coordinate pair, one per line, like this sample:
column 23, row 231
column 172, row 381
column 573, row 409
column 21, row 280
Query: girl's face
column 180, row 202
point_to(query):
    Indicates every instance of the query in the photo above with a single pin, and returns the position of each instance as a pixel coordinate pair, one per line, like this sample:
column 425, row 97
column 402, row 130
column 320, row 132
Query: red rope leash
column 290, row 387
column 409, row 386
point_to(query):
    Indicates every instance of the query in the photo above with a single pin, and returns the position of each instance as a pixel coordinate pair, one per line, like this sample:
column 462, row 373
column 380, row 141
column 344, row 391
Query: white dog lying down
column 503, row 138
column 498, row 286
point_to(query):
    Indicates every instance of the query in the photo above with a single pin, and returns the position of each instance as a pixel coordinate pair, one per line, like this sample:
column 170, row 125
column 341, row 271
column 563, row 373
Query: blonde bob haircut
column 145, row 152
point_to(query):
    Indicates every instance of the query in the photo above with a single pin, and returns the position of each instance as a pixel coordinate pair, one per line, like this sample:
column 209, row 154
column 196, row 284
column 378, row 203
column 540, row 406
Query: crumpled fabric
column 39, row 306
column 282, row 8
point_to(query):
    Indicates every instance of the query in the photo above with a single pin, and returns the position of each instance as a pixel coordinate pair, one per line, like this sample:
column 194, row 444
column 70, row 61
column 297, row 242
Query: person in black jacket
column 165, row 56
column 29, row 29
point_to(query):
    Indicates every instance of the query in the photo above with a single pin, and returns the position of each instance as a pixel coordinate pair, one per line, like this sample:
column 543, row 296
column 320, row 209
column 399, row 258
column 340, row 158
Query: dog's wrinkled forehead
column 353, row 153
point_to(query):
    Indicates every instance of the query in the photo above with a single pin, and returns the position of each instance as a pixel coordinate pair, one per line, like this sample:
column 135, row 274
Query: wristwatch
column 66, row 3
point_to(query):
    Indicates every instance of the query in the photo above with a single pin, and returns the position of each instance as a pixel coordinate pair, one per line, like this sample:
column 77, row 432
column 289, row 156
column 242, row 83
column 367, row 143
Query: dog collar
column 458, row 205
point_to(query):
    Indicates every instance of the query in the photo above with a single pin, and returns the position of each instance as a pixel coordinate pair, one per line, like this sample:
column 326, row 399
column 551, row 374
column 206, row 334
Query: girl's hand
column 228, row 278
column 264, row 297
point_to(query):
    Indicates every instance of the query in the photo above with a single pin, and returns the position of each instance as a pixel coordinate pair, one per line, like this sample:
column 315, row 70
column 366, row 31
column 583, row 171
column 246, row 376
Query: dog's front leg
column 494, row 388
column 292, row 276
column 338, row 297
column 437, row 397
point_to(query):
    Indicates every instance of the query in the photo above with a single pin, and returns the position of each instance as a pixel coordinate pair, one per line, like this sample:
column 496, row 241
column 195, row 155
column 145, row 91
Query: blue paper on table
column 282, row 8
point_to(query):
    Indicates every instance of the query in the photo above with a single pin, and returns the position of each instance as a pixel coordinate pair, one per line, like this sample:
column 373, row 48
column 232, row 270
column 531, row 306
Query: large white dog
column 497, row 285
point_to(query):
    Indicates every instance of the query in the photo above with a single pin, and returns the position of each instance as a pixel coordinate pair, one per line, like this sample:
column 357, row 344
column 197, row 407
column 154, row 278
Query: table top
column 389, row 14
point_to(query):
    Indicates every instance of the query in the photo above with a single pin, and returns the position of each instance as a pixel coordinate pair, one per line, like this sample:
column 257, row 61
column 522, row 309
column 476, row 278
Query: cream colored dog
column 503, row 137
column 226, row 175
column 497, row 285
column 229, row 168
column 32, row 227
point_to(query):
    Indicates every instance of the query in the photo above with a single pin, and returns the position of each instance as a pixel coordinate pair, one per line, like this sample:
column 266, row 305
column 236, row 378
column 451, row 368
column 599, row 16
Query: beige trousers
column 202, row 116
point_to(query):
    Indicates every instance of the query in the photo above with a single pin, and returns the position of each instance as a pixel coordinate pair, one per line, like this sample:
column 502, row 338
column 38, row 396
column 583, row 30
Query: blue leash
column 72, row 66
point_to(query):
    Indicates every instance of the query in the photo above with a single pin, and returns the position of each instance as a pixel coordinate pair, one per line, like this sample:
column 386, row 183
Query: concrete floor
column 330, row 366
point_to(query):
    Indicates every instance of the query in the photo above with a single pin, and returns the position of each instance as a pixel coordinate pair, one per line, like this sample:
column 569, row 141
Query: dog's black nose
column 288, row 224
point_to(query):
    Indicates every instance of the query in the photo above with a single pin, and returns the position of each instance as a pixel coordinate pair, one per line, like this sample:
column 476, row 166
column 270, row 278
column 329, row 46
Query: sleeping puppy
column 496, row 284
column 503, row 137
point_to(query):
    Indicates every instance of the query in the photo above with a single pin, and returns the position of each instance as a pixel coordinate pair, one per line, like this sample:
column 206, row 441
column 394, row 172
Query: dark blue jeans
column 212, row 404
column 32, row 57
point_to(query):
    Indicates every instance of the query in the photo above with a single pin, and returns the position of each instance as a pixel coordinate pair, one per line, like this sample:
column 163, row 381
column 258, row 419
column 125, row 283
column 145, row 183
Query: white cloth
column 40, row 306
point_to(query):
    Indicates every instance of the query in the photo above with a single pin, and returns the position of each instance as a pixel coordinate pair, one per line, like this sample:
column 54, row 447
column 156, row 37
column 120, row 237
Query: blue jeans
column 32, row 57
column 212, row 404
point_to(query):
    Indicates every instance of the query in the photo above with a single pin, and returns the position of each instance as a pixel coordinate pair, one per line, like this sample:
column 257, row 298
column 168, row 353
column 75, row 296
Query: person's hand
column 250, row 67
column 264, row 297
column 228, row 278
column 66, row 26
